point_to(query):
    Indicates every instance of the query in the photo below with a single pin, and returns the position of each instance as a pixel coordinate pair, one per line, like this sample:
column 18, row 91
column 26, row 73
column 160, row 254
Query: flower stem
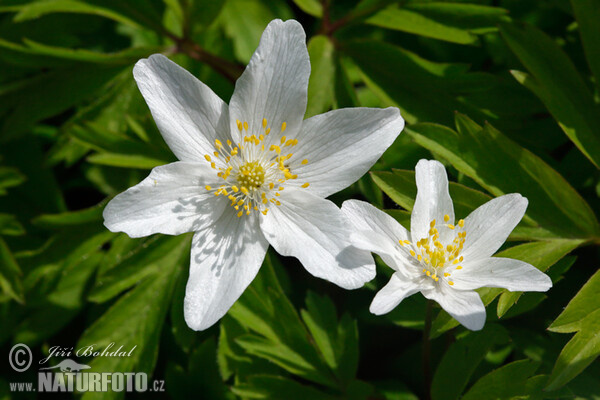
column 427, row 351
column 228, row 69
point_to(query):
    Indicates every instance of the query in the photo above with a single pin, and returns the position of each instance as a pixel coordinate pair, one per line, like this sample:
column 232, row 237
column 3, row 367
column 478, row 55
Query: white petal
column 188, row 113
column 433, row 201
column 489, row 225
column 316, row 232
column 225, row 259
column 396, row 290
column 171, row 200
column 275, row 83
column 464, row 306
column 377, row 232
column 342, row 145
column 507, row 273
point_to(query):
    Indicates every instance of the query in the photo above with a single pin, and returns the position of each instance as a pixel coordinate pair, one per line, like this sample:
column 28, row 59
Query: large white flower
column 444, row 260
column 252, row 173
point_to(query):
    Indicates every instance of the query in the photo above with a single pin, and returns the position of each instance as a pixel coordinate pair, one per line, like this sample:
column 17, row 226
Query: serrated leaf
column 336, row 341
column 10, row 225
column 146, row 260
column 277, row 387
column 10, row 274
column 61, row 305
column 553, row 203
column 503, row 383
column 199, row 376
column 556, row 81
column 135, row 321
column 461, row 360
column 283, row 356
column 265, row 310
column 578, row 353
column 587, row 14
column 451, row 22
column 423, row 90
column 134, row 13
column 50, row 93
column 583, row 304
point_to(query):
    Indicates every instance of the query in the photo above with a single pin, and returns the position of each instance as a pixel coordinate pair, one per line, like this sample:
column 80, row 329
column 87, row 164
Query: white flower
column 444, row 260
column 252, row 174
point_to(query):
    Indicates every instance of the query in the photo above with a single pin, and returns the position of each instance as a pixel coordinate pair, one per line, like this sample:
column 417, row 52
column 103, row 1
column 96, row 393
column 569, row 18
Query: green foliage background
column 504, row 92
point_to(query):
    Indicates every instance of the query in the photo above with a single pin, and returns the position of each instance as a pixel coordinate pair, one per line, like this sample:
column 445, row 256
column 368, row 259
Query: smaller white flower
column 443, row 259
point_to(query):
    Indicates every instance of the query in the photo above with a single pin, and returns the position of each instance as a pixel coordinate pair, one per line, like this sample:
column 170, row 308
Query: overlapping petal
column 275, row 83
column 464, row 306
column 342, row 145
column 316, row 232
column 433, row 200
column 225, row 259
column 514, row 275
column 489, row 225
column 376, row 231
column 396, row 290
column 188, row 113
column 171, row 200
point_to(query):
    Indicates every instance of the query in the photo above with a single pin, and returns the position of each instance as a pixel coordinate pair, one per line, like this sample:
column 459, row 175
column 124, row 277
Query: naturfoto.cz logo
column 71, row 376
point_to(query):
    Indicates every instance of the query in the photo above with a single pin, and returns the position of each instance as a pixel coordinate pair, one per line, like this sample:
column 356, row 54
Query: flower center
column 253, row 172
column 251, row 175
column 439, row 260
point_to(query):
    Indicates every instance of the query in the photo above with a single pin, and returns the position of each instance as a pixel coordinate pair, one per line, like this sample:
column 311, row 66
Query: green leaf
column 51, row 93
column 10, row 225
column 277, row 387
column 10, row 274
column 336, row 341
column 555, row 80
column 583, row 304
column 311, row 7
column 579, row 352
column 283, row 356
column 451, row 22
column 134, row 13
column 587, row 14
column 322, row 76
column 506, row 382
column 135, row 321
column 40, row 8
column 61, row 305
column 200, row 376
column 245, row 20
column 125, row 57
column 72, row 218
column 477, row 152
column 278, row 333
column 126, row 160
column 9, row 177
column 461, row 360
column 145, row 260
column 423, row 90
